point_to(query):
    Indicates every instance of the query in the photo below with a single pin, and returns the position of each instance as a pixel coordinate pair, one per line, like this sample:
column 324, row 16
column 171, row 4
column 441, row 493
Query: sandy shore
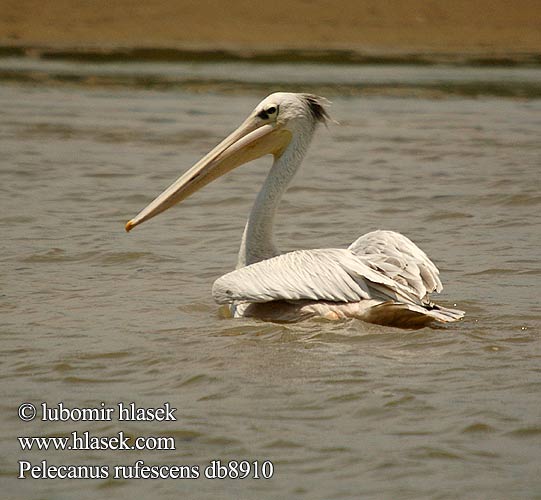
column 441, row 28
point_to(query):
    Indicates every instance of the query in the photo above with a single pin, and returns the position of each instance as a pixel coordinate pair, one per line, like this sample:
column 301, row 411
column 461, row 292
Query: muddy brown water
column 90, row 314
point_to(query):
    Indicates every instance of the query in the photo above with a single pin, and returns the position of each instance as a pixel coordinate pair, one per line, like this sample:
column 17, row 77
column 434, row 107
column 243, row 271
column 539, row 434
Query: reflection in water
column 90, row 314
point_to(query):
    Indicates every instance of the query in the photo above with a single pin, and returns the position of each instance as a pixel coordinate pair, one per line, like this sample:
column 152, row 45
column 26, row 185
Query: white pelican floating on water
column 382, row 277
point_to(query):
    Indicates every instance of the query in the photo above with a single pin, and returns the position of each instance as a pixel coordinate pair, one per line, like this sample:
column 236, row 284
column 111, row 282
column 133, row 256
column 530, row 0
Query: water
column 90, row 314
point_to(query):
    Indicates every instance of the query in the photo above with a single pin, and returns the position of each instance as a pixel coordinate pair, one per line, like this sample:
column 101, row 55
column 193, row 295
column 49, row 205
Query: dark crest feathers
column 316, row 105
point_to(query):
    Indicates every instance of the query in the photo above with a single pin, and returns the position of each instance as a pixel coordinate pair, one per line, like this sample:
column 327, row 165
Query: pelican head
column 269, row 129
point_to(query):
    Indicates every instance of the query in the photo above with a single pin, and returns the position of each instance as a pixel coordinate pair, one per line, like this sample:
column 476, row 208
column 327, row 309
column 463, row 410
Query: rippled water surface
column 344, row 410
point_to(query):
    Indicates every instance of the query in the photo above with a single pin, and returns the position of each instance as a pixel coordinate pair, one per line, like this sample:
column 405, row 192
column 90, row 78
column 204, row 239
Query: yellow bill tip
column 129, row 226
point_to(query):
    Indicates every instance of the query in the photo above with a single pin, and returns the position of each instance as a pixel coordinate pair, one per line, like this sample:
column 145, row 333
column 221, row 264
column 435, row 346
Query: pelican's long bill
column 251, row 140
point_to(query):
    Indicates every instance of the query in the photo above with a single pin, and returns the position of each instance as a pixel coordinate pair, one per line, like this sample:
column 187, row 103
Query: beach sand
column 492, row 28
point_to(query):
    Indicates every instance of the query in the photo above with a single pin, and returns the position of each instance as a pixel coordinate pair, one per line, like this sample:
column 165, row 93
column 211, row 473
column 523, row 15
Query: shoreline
column 208, row 53
column 484, row 32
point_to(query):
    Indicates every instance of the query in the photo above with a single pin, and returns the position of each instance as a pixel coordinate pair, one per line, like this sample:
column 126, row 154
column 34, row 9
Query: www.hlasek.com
column 216, row 469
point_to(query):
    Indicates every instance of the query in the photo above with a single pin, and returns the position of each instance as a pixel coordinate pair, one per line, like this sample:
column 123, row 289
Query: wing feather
column 400, row 259
column 337, row 275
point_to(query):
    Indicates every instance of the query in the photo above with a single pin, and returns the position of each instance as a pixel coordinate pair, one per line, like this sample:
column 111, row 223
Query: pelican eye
column 266, row 113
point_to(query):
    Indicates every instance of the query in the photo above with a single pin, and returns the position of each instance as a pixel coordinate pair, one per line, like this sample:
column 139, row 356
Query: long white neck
column 257, row 240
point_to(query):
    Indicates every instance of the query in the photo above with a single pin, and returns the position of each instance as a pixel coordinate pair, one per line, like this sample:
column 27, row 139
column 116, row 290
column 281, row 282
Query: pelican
column 382, row 277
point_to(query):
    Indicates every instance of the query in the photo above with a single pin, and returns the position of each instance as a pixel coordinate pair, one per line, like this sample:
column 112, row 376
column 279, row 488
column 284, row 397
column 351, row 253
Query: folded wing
column 400, row 259
column 380, row 265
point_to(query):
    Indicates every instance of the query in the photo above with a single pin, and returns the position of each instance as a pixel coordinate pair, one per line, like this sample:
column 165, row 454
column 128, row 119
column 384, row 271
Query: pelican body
column 382, row 277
